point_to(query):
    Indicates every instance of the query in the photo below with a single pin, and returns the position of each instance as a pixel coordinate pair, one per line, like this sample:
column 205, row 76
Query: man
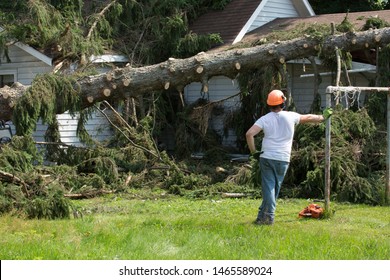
column 278, row 127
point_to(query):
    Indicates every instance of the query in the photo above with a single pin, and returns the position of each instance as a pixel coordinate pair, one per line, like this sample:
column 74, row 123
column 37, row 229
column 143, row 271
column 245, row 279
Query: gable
column 242, row 16
column 267, row 11
column 24, row 65
column 40, row 56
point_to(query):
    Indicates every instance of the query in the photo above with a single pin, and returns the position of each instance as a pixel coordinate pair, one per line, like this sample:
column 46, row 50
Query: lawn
column 173, row 228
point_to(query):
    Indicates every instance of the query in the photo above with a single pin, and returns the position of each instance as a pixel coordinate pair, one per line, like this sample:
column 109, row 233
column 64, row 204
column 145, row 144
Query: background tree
column 343, row 6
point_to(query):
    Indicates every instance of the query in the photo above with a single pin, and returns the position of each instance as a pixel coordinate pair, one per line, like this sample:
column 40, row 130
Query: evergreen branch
column 10, row 178
column 124, row 134
column 99, row 16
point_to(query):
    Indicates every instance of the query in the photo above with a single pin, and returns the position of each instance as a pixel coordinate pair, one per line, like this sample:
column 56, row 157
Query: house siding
column 219, row 88
column 97, row 127
column 274, row 9
column 303, row 87
column 24, row 65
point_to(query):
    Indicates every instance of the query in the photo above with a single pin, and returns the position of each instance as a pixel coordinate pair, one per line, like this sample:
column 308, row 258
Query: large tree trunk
column 177, row 73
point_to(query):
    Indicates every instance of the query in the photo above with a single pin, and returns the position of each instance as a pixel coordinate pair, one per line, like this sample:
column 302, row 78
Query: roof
column 227, row 22
column 42, row 57
column 238, row 16
column 358, row 19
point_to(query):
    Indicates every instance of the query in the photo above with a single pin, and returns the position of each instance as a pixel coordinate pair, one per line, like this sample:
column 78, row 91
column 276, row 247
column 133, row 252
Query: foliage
column 375, row 23
column 343, row 6
column 19, row 155
column 316, row 31
column 45, row 200
column 157, row 30
column 352, row 144
column 48, row 94
column 74, row 30
column 193, row 133
column 377, row 103
column 50, row 203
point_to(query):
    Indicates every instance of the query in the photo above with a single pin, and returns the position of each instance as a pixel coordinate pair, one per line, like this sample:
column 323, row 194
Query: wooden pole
column 327, row 154
column 387, row 190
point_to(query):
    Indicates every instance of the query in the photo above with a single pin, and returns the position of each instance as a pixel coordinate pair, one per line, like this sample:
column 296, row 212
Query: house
column 249, row 21
column 24, row 63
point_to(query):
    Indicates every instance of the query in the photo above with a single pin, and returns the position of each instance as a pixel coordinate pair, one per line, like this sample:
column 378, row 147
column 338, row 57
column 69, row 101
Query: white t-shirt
column 278, row 134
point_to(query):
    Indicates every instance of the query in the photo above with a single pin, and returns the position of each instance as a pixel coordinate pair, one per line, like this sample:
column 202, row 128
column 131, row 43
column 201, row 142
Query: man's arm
column 250, row 137
column 316, row 118
column 311, row 118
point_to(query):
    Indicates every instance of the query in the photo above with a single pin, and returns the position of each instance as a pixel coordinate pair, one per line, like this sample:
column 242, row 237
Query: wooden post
column 387, row 190
column 327, row 154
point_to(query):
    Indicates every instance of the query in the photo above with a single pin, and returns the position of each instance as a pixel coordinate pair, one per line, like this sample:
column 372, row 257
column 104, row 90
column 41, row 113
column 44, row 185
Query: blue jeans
column 272, row 175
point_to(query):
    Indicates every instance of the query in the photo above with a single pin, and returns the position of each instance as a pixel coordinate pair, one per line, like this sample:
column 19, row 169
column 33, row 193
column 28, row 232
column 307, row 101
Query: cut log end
column 126, row 82
column 90, row 99
column 106, row 92
column 199, row 69
column 109, row 77
column 237, row 65
column 166, row 85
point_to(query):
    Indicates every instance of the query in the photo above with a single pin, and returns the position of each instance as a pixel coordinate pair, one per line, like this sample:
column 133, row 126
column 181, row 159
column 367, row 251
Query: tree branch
column 10, row 178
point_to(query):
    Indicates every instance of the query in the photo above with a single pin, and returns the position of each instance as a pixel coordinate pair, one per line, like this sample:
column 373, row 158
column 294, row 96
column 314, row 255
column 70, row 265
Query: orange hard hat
column 275, row 97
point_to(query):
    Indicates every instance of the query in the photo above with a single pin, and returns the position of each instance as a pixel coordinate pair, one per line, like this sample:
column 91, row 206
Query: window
column 6, row 80
column 7, row 77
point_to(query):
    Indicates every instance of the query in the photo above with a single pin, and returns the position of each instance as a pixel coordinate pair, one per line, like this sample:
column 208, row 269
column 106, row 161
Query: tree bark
column 177, row 73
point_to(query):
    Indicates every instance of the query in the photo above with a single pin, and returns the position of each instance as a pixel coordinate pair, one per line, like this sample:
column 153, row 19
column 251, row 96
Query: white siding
column 219, row 88
column 303, row 87
column 24, row 65
column 274, row 9
column 267, row 11
column 97, row 127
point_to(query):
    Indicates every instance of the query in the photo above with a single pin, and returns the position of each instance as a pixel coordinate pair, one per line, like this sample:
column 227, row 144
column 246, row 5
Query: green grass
column 179, row 228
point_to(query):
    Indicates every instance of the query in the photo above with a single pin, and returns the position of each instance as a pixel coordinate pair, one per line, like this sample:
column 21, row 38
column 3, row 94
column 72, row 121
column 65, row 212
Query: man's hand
column 327, row 113
column 255, row 155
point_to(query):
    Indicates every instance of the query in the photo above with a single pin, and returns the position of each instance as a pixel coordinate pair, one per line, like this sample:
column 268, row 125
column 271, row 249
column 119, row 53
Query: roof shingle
column 226, row 22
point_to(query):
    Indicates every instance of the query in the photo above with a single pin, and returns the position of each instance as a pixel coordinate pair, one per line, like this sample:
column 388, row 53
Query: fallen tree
column 177, row 73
